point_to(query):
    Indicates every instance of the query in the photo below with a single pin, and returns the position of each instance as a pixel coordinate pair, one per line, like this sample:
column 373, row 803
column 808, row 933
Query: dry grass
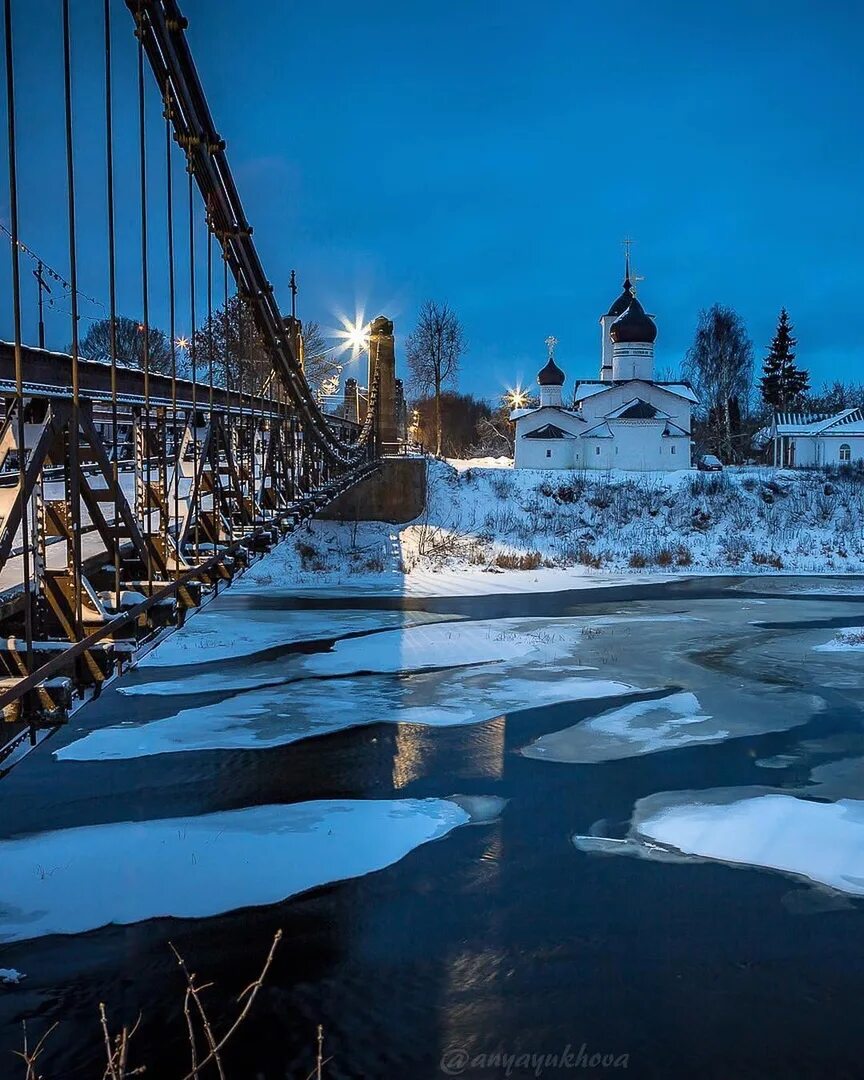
column 514, row 560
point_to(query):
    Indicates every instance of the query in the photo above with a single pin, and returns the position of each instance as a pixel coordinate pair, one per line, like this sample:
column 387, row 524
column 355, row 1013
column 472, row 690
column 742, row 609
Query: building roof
column 599, row 431
column 637, row 409
column 589, row 387
column 634, row 326
column 620, row 305
column 551, row 375
column 548, row 431
column 847, row 422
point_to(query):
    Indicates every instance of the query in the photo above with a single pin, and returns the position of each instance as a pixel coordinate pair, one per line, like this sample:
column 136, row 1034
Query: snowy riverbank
column 489, row 528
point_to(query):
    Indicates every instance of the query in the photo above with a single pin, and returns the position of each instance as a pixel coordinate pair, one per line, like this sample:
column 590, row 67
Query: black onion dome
column 551, row 375
column 623, row 301
column 634, row 326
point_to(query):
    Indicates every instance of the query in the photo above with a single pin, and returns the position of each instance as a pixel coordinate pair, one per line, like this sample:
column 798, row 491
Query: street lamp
column 516, row 398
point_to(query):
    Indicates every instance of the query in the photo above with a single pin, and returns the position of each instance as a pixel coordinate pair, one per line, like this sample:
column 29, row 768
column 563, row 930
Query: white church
column 623, row 420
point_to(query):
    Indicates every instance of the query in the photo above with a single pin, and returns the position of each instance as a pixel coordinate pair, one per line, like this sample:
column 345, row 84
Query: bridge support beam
column 395, row 493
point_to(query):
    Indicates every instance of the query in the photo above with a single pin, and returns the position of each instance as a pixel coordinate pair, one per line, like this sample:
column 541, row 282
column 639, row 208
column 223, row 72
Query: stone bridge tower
column 382, row 351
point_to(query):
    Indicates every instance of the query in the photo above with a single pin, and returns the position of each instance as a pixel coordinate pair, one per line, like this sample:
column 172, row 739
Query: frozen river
column 627, row 821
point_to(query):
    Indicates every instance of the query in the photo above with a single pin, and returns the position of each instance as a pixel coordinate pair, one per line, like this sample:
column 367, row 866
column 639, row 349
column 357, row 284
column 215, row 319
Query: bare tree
column 129, row 340
column 230, row 340
column 434, row 349
column 321, row 370
column 719, row 364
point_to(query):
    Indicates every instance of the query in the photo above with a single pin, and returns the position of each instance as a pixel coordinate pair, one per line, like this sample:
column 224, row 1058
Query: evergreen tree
column 783, row 384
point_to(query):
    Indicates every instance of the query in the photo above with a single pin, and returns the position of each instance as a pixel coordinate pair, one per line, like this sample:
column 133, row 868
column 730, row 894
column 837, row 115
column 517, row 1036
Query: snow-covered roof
column 517, row 414
column 590, row 387
column 599, row 431
column 847, row 422
column 672, row 431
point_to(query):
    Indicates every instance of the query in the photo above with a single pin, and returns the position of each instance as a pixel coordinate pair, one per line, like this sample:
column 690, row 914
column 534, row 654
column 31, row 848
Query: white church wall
column 595, row 407
column 632, row 361
column 547, row 453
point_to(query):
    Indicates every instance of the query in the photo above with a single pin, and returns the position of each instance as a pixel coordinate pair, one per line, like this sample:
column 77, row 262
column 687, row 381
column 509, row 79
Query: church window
column 597, row 449
column 672, row 448
column 845, row 452
column 549, row 453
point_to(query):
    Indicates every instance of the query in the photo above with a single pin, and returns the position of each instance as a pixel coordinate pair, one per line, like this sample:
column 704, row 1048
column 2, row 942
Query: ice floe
column 642, row 727
column 75, row 880
column 820, row 841
column 482, row 809
column 11, row 977
column 283, row 714
column 229, row 633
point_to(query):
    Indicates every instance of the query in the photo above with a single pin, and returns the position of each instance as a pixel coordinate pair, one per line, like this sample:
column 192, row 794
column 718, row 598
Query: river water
column 491, row 943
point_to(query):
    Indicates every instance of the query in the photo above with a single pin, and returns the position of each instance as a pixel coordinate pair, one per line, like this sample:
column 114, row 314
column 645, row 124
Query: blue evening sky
column 493, row 155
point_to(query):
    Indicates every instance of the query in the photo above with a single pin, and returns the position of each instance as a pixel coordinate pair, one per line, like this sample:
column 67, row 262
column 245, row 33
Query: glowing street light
column 516, row 398
column 354, row 336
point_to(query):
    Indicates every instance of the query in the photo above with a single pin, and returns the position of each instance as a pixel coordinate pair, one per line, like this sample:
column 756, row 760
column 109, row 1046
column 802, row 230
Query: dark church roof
column 551, row 375
column 548, row 431
column 623, row 301
column 634, row 326
column 641, row 410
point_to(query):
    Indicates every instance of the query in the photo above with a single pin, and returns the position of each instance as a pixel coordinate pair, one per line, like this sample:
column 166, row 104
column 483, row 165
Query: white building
column 818, row 439
column 623, row 420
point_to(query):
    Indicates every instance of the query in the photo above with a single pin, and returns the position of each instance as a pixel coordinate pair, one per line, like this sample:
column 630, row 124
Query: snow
column 11, row 977
column 823, row 842
column 849, row 640
column 565, row 529
column 642, row 727
column 481, row 670
column 75, row 880
column 461, row 464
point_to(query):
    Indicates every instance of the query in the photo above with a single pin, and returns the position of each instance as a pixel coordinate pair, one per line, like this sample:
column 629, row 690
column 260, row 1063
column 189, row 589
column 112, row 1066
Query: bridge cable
column 215, row 503
column 145, row 299
column 172, row 329
column 74, row 441
column 112, row 296
column 19, row 362
column 194, row 500
column 229, row 437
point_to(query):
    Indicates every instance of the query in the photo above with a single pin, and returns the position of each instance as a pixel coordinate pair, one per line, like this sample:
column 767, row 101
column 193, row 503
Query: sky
column 490, row 155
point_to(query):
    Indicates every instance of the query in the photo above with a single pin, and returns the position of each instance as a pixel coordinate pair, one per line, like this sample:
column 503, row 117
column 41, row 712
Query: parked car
column 709, row 463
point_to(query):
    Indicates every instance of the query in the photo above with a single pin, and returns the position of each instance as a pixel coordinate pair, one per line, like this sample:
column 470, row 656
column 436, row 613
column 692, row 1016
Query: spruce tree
column 783, row 384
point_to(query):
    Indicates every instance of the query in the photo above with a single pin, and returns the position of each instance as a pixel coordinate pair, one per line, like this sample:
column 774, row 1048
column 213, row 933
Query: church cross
column 633, row 277
column 551, row 342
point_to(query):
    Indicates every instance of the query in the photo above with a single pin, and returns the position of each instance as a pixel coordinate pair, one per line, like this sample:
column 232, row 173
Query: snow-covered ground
column 849, row 640
column 490, row 528
column 75, row 880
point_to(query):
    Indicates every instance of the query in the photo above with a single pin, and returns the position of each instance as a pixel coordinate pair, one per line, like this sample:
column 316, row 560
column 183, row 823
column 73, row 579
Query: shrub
column 638, row 561
column 513, row 560
column 767, row 558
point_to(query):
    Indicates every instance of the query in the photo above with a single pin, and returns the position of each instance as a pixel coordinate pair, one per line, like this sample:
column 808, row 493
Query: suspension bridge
column 131, row 492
